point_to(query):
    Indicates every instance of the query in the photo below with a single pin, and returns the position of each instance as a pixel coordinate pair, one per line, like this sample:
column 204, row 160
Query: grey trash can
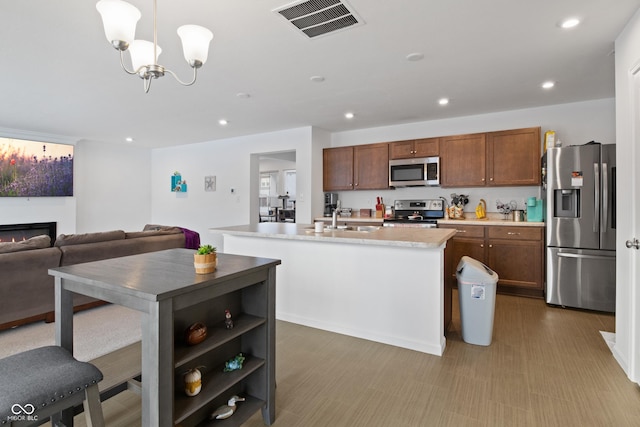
column 477, row 295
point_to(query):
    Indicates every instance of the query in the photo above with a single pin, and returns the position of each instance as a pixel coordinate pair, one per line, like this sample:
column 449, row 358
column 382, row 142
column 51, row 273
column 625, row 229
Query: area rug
column 96, row 332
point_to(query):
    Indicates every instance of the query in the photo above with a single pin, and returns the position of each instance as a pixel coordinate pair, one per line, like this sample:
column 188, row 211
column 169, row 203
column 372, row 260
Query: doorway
column 276, row 187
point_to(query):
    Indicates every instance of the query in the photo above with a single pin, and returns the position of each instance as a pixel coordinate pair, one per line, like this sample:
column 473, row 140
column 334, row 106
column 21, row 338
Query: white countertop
column 400, row 237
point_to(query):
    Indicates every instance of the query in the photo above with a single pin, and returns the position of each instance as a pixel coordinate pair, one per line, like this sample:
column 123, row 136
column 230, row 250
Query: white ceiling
column 60, row 76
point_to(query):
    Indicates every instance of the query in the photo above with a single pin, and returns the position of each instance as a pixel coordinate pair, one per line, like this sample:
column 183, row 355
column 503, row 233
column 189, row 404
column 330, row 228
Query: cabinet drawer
column 466, row 230
column 515, row 233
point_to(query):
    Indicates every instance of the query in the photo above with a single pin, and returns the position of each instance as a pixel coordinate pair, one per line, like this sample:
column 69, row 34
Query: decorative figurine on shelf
column 228, row 322
column 225, row 411
column 234, row 364
column 196, row 333
column 192, row 382
column 176, row 182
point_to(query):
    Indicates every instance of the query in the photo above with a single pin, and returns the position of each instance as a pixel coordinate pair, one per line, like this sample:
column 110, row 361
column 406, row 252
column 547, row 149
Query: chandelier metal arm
column 124, row 67
column 147, row 84
column 195, row 76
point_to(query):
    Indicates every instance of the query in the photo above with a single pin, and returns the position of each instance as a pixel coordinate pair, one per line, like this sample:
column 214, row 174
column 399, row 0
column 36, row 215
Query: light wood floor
column 545, row 367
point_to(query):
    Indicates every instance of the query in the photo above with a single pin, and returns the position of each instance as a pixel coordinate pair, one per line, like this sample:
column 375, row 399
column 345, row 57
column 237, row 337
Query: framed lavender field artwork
column 35, row 169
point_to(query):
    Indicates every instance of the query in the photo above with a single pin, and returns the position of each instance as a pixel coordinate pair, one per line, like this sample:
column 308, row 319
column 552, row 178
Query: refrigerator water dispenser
column 567, row 203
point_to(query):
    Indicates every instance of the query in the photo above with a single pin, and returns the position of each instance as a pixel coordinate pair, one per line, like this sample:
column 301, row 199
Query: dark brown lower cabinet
column 515, row 253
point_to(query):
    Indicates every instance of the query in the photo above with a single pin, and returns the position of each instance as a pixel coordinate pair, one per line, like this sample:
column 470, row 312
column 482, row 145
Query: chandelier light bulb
column 142, row 54
column 119, row 19
column 195, row 44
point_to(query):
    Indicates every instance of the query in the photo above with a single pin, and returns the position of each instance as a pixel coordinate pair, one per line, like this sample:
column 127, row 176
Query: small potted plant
column 205, row 259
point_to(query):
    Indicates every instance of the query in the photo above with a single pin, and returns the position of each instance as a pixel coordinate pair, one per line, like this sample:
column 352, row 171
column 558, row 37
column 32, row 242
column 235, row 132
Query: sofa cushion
column 156, row 227
column 76, row 254
column 37, row 242
column 148, row 233
column 78, row 239
column 26, row 288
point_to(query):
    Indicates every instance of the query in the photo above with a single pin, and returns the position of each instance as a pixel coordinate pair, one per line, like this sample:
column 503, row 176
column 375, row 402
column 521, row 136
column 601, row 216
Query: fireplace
column 18, row 232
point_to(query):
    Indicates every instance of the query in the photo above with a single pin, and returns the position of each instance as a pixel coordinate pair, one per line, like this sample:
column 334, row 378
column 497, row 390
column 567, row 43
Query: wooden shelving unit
column 171, row 297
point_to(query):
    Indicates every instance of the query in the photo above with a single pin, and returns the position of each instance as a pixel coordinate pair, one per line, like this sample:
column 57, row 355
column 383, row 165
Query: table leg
column 64, row 337
column 157, row 365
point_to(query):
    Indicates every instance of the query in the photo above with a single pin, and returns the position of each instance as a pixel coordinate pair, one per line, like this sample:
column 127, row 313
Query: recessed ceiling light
column 443, row 101
column 349, row 115
column 570, row 23
column 548, row 84
column 128, row 139
column 317, row 79
column 416, row 56
column 243, row 95
column 223, row 122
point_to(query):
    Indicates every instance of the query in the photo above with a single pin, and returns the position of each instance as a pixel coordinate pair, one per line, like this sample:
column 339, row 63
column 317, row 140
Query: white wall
column 231, row 161
column 575, row 124
column 112, row 187
column 22, row 210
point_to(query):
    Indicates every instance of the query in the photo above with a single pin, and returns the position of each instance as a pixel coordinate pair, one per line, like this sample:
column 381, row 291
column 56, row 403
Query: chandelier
column 120, row 18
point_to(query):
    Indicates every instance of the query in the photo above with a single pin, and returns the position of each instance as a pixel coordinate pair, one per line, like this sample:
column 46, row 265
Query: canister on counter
column 389, row 211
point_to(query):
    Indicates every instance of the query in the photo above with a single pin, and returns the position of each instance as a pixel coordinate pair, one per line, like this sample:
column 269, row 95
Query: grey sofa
column 26, row 288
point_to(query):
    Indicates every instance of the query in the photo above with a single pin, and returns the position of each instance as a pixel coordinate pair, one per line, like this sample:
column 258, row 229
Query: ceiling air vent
column 315, row 18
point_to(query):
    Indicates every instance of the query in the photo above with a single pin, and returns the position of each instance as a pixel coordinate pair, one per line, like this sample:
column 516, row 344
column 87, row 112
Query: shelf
column 216, row 336
column 214, row 383
column 245, row 411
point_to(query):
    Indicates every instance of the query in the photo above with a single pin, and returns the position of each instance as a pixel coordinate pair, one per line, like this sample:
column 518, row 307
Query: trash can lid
column 471, row 270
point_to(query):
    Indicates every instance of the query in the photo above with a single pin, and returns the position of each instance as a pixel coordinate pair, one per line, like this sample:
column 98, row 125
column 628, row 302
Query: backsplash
column 367, row 199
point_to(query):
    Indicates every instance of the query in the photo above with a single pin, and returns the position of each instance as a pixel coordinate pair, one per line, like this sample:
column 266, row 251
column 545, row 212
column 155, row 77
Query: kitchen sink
column 360, row 228
column 367, row 228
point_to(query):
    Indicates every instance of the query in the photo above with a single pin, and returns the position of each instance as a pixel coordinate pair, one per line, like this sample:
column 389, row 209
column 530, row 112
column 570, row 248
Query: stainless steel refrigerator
column 581, row 226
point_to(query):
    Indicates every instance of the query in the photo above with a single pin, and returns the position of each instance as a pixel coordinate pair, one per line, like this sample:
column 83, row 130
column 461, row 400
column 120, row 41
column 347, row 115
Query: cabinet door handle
column 512, row 233
column 461, row 231
column 490, row 179
column 490, row 246
column 482, row 179
column 482, row 245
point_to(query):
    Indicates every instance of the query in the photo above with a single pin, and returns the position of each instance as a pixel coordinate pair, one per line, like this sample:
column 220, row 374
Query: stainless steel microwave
column 421, row 171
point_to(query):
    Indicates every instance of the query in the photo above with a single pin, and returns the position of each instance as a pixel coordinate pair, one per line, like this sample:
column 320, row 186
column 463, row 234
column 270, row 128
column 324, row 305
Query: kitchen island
column 380, row 284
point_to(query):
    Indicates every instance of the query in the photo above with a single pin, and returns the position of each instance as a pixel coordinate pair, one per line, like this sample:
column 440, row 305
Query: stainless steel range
column 416, row 213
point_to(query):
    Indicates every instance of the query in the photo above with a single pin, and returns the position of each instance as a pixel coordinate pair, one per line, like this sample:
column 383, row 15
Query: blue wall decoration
column 177, row 183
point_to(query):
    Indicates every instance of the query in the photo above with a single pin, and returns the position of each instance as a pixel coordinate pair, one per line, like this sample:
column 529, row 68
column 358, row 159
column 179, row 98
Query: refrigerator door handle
column 605, row 197
column 596, row 205
column 567, row 255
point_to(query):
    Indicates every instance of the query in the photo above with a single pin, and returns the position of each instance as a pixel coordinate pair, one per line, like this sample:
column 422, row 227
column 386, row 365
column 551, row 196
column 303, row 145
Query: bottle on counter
column 549, row 139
